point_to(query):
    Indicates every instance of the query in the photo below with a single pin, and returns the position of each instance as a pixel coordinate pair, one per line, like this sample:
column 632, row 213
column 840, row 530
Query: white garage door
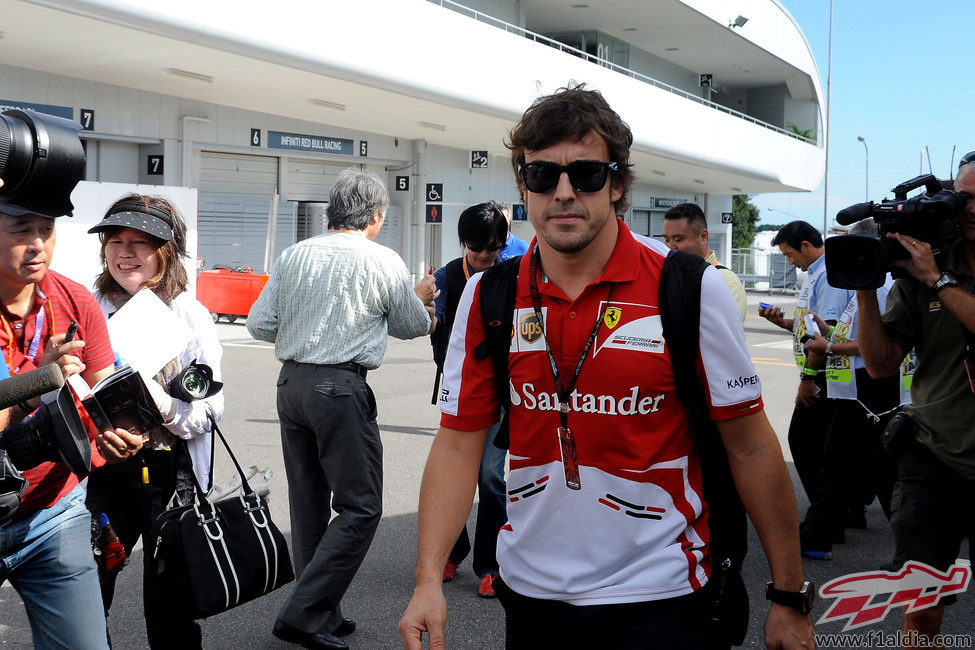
column 235, row 199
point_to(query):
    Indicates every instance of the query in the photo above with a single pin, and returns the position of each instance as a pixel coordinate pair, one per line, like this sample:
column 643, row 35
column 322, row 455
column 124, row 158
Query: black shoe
column 856, row 518
column 814, row 547
column 345, row 628
column 323, row 641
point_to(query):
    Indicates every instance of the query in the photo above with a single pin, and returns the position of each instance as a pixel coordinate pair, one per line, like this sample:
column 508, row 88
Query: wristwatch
column 947, row 279
column 801, row 600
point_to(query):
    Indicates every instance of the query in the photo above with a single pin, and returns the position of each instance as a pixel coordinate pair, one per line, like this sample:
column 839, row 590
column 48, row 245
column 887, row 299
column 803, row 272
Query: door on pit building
column 236, row 192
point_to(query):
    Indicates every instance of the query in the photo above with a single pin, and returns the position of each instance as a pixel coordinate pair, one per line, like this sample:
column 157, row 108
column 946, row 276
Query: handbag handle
column 200, row 494
column 240, row 472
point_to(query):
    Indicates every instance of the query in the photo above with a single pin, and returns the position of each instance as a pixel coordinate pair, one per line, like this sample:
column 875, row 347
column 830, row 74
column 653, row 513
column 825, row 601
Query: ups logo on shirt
column 529, row 329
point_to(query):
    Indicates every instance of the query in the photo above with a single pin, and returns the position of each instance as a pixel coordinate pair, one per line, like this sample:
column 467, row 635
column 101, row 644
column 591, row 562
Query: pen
column 72, row 330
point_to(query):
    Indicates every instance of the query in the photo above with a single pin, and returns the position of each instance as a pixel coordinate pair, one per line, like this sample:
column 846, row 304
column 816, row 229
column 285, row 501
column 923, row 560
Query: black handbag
column 213, row 556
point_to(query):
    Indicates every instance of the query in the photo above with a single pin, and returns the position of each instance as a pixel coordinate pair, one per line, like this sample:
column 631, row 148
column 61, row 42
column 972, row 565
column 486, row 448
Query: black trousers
column 333, row 458
column 671, row 624
column 807, row 441
column 932, row 510
column 854, row 467
column 118, row 491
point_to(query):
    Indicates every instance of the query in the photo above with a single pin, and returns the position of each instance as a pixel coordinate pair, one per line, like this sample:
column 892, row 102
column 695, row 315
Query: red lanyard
column 567, row 442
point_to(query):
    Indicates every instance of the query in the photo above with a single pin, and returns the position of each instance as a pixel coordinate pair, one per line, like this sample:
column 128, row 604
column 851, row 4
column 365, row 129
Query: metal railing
column 763, row 270
column 562, row 47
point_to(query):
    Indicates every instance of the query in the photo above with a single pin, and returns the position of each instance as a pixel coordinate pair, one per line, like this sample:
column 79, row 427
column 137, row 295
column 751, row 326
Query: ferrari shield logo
column 612, row 317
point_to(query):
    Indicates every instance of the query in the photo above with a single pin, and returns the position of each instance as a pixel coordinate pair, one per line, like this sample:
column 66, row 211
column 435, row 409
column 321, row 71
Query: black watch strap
column 947, row 279
column 801, row 601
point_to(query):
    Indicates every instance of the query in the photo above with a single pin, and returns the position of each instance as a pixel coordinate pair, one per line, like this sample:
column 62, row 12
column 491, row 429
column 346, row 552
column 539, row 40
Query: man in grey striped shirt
column 328, row 307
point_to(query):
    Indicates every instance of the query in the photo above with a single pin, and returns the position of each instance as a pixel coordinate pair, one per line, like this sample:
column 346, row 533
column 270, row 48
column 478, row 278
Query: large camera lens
column 195, row 384
column 41, row 161
column 855, row 262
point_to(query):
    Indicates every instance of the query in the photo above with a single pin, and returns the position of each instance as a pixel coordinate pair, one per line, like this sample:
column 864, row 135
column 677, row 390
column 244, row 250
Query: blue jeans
column 491, row 513
column 48, row 559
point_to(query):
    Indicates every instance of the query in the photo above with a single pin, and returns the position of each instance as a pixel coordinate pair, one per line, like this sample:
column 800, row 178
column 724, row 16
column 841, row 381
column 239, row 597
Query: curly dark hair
column 171, row 279
column 571, row 113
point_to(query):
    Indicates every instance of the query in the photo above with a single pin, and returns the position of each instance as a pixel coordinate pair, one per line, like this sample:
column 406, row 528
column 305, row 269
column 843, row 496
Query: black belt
column 349, row 366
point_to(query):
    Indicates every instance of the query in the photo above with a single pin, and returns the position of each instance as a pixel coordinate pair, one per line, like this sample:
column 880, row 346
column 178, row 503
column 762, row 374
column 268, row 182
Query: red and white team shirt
column 635, row 531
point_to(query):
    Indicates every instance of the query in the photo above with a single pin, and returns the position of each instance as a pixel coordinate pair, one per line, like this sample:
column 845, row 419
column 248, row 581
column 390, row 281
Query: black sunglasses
column 967, row 158
column 491, row 249
column 584, row 175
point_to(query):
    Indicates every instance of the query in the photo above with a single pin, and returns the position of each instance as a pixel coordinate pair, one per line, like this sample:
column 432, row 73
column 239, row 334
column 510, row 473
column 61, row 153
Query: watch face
column 801, row 600
column 946, row 280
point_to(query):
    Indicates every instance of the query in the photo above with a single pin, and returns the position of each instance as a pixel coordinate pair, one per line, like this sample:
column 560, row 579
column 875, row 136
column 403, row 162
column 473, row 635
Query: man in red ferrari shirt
column 606, row 543
column 45, row 549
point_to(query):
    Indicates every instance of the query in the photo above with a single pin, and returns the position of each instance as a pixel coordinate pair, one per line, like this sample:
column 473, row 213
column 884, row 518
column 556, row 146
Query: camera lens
column 855, row 262
column 195, row 384
column 41, row 161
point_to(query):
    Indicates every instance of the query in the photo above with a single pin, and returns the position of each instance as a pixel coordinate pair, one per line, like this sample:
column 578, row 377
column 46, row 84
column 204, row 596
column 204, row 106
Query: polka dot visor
column 155, row 226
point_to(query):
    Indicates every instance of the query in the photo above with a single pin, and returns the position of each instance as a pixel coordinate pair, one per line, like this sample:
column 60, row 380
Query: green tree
column 806, row 134
column 743, row 220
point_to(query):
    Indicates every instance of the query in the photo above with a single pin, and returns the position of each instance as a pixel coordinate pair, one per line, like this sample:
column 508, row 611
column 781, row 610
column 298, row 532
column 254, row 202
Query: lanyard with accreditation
column 567, row 442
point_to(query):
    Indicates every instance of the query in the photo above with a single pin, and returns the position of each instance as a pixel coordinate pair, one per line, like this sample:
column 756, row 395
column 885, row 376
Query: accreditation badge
column 798, row 331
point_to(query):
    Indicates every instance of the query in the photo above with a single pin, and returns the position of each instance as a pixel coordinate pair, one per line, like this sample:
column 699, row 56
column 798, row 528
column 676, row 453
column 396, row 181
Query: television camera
column 862, row 261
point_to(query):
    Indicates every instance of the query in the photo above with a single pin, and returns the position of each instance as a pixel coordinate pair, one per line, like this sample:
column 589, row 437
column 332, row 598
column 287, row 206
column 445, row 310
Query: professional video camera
column 41, row 161
column 53, row 433
column 862, row 261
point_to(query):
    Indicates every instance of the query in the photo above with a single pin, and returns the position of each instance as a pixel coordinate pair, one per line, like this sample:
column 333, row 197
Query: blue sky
column 899, row 80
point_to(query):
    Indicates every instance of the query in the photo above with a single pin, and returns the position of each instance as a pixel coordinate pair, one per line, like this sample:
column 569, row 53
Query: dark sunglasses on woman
column 490, row 248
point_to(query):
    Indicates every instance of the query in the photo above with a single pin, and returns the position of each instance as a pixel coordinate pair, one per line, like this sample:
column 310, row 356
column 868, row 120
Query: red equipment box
column 229, row 292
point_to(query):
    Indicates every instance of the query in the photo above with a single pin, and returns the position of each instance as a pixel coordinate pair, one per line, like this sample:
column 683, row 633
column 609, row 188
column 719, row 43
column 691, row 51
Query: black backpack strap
column 680, row 316
column 497, row 292
column 456, row 280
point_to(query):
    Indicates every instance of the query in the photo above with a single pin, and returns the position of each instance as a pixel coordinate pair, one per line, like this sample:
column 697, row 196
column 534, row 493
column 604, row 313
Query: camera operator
column 45, row 549
column 932, row 311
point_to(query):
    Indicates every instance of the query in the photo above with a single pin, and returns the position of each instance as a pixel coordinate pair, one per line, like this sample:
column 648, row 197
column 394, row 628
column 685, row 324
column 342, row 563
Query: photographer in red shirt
column 45, row 549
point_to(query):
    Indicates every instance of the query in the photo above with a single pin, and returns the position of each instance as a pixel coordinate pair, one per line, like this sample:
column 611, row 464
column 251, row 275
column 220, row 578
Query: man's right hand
column 774, row 315
column 427, row 612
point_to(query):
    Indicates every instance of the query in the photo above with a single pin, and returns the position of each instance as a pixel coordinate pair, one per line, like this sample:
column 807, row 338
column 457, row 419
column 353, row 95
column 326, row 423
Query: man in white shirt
column 328, row 307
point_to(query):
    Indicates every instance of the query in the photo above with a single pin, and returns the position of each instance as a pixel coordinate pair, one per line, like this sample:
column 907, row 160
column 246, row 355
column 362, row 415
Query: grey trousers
column 333, row 459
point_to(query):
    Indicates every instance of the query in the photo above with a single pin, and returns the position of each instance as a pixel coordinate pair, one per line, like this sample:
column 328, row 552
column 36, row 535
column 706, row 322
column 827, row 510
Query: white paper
column 147, row 334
